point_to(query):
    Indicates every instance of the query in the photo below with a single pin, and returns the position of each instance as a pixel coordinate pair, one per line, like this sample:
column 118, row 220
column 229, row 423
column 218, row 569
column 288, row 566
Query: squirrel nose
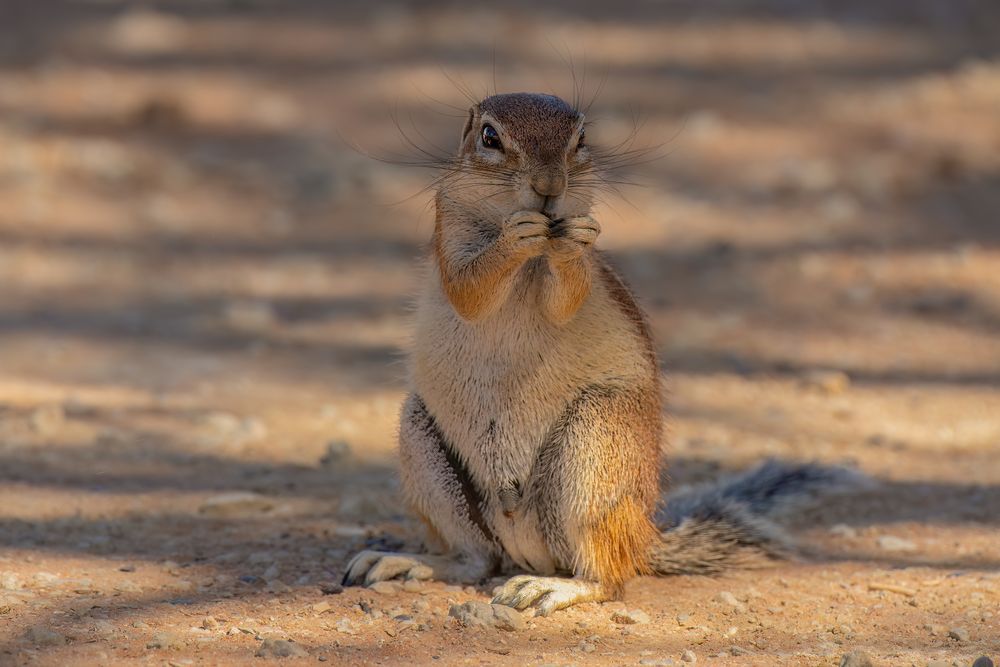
column 549, row 183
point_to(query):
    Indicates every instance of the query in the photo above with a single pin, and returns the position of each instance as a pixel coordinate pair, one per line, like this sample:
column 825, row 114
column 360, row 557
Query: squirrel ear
column 468, row 123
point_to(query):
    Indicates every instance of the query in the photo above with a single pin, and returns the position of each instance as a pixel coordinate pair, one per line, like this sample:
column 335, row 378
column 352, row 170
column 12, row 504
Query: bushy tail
column 712, row 527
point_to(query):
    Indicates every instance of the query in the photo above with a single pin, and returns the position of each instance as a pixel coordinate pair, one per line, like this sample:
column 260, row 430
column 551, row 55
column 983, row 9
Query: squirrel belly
column 498, row 388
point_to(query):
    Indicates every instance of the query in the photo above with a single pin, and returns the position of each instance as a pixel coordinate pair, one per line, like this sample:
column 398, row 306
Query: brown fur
column 615, row 549
column 476, row 285
column 542, row 125
column 564, row 287
column 625, row 300
column 604, row 455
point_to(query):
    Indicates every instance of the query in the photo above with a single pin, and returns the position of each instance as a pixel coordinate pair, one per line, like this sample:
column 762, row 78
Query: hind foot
column 548, row 594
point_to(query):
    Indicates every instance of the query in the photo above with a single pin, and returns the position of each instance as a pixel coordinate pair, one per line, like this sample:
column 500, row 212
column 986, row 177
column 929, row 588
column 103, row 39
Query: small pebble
column 48, row 419
column 630, row 617
column 385, row 587
column 165, row 640
column 689, row 656
column 331, row 588
column 338, row 454
column 277, row 586
column 959, row 634
column 236, row 503
column 893, row 543
column 827, row 381
column 10, row 581
column 280, row 648
column 657, row 662
column 843, row 530
column 40, row 636
column 856, row 659
column 727, row 598
column 491, row 615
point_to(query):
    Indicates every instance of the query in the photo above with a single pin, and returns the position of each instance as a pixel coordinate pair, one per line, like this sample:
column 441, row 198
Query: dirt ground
column 205, row 292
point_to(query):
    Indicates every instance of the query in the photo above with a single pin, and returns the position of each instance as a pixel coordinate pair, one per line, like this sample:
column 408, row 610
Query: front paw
column 526, row 232
column 369, row 567
column 571, row 237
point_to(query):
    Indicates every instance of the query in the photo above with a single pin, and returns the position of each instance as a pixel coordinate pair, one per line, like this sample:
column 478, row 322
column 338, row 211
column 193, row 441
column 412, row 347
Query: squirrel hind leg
column 548, row 594
column 609, row 553
column 594, row 486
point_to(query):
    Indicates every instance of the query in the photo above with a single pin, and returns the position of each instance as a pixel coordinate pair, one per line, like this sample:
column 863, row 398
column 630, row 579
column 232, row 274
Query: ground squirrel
column 531, row 439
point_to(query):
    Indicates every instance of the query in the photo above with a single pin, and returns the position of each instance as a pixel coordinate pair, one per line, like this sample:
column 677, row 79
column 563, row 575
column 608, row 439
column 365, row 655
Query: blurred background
column 204, row 286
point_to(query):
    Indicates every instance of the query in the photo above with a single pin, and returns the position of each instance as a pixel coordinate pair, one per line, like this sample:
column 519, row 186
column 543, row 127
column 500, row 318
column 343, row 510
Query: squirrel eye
column 491, row 138
column 580, row 142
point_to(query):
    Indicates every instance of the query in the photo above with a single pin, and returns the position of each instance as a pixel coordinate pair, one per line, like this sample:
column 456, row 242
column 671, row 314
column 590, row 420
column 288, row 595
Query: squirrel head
column 523, row 151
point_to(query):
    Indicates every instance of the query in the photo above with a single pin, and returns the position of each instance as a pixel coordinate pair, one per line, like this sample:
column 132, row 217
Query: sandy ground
column 205, row 291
